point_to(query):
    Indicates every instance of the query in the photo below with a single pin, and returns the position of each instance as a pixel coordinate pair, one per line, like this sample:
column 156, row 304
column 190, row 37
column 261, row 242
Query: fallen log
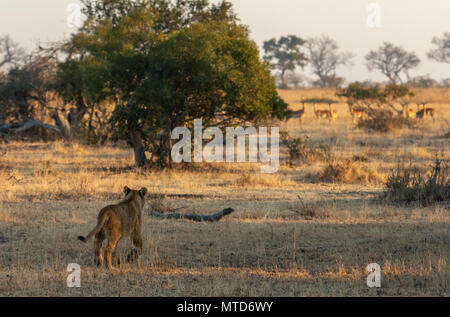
column 24, row 126
column 197, row 218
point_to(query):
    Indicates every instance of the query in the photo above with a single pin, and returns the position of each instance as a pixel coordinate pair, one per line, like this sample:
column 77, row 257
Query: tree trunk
column 139, row 151
column 165, row 159
column 18, row 127
column 106, row 135
column 76, row 115
column 283, row 81
column 90, row 128
column 197, row 218
column 62, row 125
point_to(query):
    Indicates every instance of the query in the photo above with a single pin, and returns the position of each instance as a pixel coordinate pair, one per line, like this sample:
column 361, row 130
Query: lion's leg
column 137, row 243
column 116, row 258
column 98, row 257
column 112, row 243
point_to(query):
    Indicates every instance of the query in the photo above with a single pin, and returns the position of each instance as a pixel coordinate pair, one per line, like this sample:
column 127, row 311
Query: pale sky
column 409, row 23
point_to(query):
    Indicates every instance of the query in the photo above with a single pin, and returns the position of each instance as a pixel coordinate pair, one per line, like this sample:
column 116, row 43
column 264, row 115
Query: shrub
column 383, row 121
column 301, row 151
column 409, row 185
column 310, row 210
column 360, row 158
column 348, row 172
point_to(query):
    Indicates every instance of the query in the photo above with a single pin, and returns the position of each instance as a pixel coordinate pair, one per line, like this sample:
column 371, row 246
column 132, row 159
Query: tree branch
column 197, row 218
column 24, row 126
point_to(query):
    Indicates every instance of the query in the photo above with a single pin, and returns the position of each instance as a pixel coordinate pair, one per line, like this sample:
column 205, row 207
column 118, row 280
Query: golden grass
column 271, row 245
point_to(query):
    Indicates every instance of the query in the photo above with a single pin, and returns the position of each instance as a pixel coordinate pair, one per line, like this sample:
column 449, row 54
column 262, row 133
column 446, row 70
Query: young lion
column 119, row 221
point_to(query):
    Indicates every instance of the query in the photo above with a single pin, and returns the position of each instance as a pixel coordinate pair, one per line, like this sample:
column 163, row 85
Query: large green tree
column 166, row 63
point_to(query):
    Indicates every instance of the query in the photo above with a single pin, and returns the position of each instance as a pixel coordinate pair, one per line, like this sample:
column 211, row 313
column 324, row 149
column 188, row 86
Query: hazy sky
column 409, row 23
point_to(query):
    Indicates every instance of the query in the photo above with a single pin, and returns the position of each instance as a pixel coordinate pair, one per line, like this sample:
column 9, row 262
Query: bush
column 301, row 151
column 348, row 172
column 310, row 210
column 360, row 158
column 383, row 121
column 409, row 185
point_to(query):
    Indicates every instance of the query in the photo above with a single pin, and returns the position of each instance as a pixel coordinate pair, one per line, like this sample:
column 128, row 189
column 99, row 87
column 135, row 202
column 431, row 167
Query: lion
column 116, row 222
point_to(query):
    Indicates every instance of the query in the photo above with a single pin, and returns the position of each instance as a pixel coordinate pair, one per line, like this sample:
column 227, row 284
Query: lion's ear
column 126, row 190
column 143, row 191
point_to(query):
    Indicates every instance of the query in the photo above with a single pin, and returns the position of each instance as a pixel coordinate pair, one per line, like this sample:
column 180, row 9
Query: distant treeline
column 323, row 57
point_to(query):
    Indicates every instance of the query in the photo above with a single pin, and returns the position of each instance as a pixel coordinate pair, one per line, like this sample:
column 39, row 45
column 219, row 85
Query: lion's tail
column 101, row 222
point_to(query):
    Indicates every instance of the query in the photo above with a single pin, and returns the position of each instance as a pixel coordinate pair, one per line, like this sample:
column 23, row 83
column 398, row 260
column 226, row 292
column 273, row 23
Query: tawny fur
column 116, row 222
column 300, row 114
column 425, row 112
column 411, row 113
column 357, row 113
column 326, row 114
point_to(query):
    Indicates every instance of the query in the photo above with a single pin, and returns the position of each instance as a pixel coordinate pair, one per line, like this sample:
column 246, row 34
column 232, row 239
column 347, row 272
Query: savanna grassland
column 274, row 244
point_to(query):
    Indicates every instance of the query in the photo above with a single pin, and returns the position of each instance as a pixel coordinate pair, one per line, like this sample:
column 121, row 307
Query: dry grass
column 348, row 171
column 273, row 245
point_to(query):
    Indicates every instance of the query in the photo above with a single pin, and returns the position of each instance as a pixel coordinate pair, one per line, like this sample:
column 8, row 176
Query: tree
column 296, row 80
column 81, row 81
column 26, row 92
column 361, row 94
column 324, row 58
column 423, row 81
column 172, row 14
column 377, row 103
column 392, row 61
column 285, row 54
column 441, row 53
column 397, row 94
column 373, row 96
column 31, row 85
column 205, row 66
column 10, row 52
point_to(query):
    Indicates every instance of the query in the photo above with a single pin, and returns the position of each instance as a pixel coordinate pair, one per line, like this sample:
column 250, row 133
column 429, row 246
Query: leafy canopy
column 285, row 54
column 164, row 70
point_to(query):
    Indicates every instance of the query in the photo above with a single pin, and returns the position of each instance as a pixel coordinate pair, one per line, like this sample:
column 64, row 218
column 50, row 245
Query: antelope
column 325, row 114
column 411, row 114
column 430, row 112
column 422, row 114
column 300, row 114
column 356, row 113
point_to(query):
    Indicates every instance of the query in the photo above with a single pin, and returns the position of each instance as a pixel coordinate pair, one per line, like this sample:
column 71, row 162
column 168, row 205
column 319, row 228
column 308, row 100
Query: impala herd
column 361, row 113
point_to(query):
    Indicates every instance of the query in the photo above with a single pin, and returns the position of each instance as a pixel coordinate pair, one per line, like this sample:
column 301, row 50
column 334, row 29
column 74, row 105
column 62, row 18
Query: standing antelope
column 422, row 114
column 300, row 114
column 331, row 115
column 356, row 113
column 430, row 112
column 411, row 114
